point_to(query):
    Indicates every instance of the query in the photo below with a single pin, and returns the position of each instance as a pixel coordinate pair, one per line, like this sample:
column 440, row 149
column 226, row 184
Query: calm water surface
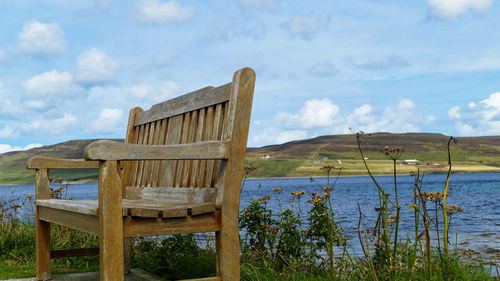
column 478, row 194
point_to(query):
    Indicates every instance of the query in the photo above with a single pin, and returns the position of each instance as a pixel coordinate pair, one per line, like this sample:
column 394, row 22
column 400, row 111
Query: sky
column 73, row 69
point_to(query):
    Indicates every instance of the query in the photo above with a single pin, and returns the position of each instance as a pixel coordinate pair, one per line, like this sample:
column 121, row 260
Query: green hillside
column 469, row 154
column 13, row 164
column 305, row 157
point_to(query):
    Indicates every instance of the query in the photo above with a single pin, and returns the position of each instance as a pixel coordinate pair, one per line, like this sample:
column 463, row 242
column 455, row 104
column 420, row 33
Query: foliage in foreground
column 289, row 244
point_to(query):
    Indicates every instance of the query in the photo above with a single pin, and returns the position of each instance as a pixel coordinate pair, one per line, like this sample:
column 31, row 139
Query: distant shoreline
column 260, row 178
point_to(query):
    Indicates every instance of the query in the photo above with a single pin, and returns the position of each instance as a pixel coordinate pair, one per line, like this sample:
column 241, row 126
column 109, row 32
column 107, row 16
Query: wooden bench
column 178, row 171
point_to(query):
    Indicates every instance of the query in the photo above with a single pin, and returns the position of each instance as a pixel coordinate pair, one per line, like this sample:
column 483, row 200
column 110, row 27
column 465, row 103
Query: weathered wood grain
column 126, row 176
column 180, row 171
column 86, row 207
column 203, row 279
column 42, row 191
column 141, row 227
column 110, row 222
column 111, row 150
column 142, row 205
column 85, row 223
column 82, row 252
column 128, row 166
column 184, row 139
column 140, row 166
column 228, row 197
column 189, row 102
column 41, row 162
column 189, row 165
column 170, row 194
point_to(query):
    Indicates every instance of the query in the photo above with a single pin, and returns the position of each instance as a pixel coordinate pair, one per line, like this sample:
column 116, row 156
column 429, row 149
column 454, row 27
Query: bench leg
column 42, row 250
column 110, row 223
column 126, row 254
column 227, row 251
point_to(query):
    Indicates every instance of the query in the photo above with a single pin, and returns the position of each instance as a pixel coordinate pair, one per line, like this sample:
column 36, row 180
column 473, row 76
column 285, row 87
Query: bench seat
column 134, row 208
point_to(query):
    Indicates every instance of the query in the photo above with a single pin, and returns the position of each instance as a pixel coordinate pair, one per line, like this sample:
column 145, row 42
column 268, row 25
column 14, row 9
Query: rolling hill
column 306, row 157
column 13, row 164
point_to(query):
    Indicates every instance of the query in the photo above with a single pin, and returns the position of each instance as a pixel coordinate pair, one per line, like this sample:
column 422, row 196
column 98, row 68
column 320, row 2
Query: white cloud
column 453, row 8
column 7, row 107
column 401, row 118
column 480, row 118
column 109, row 121
column 140, row 91
column 2, row 55
column 323, row 69
column 261, row 134
column 41, row 38
column 35, row 104
column 161, row 12
column 314, row 113
column 406, row 104
column 306, row 27
column 7, row 133
column 454, row 112
column 95, row 66
column 151, row 94
column 7, row 147
column 465, row 129
column 292, row 135
column 322, row 117
column 50, row 83
column 54, row 126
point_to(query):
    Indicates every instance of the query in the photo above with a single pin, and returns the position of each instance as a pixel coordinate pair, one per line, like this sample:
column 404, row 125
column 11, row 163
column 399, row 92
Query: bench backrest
column 208, row 114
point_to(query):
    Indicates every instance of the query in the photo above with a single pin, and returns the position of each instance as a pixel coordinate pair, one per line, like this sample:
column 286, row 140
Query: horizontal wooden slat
column 137, row 208
column 135, row 227
column 86, row 207
column 40, row 162
column 192, row 101
column 82, row 222
column 172, row 194
column 203, row 279
column 111, row 150
column 56, row 254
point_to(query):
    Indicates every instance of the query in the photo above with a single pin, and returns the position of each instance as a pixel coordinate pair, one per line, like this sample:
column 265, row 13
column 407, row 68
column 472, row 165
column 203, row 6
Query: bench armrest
column 112, row 150
column 41, row 162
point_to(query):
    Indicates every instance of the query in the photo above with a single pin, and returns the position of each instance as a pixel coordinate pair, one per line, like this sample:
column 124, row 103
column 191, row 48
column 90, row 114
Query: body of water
column 477, row 194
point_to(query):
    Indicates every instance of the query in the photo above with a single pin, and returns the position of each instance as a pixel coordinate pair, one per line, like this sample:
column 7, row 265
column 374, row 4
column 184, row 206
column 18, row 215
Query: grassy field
column 307, row 168
column 469, row 155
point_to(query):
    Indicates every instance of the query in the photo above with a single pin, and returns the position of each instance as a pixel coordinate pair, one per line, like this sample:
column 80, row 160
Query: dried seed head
column 298, row 194
column 264, row 198
column 452, row 209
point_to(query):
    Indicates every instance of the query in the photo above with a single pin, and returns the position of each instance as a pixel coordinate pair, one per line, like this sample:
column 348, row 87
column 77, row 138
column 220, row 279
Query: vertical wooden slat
column 191, row 134
column 135, row 164
column 218, row 122
column 206, row 132
column 211, row 135
column 181, row 174
column 167, row 169
column 148, row 165
column 195, row 180
column 156, row 164
column 142, row 140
